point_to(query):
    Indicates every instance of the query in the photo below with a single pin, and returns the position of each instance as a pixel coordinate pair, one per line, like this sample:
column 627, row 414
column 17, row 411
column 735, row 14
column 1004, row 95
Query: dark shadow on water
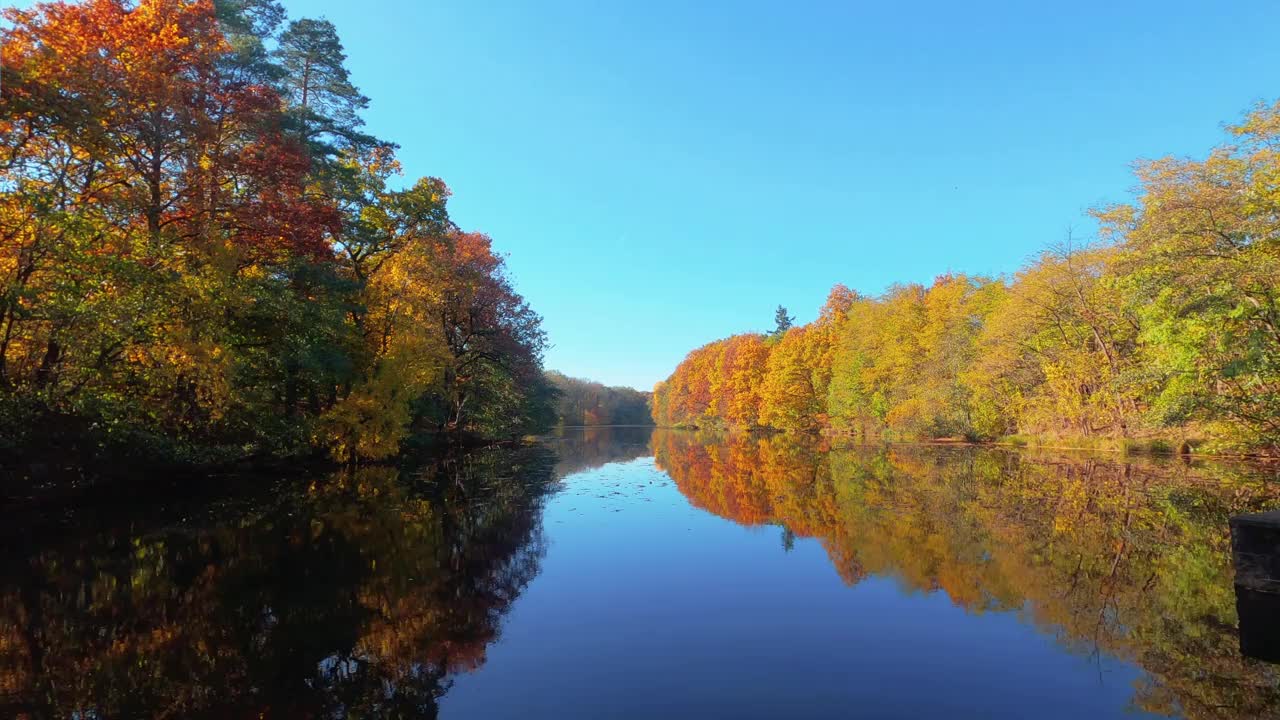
column 355, row 594
column 1255, row 548
column 579, row 449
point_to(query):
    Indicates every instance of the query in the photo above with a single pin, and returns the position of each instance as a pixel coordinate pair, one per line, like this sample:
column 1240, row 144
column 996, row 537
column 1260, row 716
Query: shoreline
column 1031, row 444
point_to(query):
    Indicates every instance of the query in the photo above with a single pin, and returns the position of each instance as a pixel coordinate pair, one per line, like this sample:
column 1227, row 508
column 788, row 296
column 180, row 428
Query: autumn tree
column 1163, row 331
column 200, row 248
column 1060, row 349
column 789, row 396
column 144, row 189
column 660, row 404
column 745, row 364
column 584, row 402
column 1200, row 259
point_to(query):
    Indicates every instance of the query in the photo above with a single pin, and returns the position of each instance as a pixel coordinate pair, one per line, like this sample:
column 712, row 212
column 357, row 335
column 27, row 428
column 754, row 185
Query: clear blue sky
column 665, row 173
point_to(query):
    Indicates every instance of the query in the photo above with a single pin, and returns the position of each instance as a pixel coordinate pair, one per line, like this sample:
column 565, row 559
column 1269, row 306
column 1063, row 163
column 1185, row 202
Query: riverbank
column 77, row 463
column 1156, row 446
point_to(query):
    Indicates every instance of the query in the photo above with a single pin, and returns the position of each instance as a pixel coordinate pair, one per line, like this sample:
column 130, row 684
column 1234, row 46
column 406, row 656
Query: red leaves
column 275, row 219
column 483, row 314
column 168, row 145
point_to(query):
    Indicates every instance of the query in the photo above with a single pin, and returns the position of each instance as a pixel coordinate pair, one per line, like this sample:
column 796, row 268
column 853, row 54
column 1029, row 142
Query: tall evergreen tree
column 317, row 86
column 783, row 322
column 247, row 25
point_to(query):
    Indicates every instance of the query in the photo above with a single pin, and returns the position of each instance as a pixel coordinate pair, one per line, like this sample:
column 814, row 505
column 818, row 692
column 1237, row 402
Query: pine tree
column 783, row 322
column 318, row 88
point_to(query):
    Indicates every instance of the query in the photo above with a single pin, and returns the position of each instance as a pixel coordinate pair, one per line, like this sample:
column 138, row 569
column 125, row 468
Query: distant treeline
column 585, row 402
column 1165, row 331
column 202, row 253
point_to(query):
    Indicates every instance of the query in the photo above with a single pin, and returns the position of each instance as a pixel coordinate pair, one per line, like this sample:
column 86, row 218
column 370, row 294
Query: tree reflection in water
column 579, row 449
column 1126, row 558
column 360, row 594
column 356, row 595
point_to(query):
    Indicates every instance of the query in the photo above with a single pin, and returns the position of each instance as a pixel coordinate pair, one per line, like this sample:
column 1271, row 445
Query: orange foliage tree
column 189, row 253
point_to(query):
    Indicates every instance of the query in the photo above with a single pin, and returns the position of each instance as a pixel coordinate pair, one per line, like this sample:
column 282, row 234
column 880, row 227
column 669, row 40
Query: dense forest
column 1163, row 333
column 203, row 253
column 585, row 402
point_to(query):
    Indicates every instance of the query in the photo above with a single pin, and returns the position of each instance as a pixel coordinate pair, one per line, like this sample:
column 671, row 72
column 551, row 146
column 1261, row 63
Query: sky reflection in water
column 631, row 573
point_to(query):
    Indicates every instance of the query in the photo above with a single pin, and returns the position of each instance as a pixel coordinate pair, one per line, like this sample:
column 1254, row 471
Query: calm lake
column 634, row 573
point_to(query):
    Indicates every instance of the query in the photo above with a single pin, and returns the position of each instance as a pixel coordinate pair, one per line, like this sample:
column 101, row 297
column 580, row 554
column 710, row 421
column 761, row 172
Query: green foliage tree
column 1200, row 262
column 782, row 322
column 317, row 86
